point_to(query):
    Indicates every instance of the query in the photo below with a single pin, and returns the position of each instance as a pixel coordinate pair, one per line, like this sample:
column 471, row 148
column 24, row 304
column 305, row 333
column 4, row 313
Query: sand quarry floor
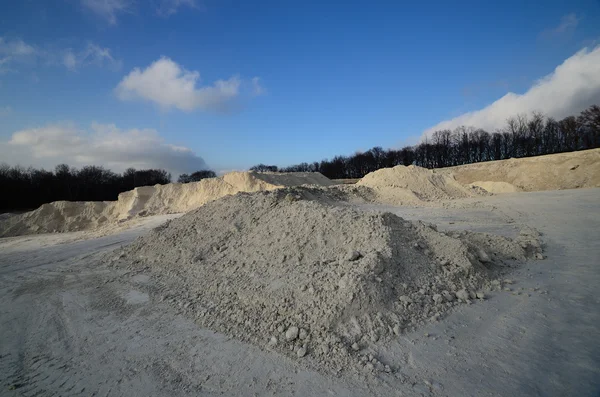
column 62, row 333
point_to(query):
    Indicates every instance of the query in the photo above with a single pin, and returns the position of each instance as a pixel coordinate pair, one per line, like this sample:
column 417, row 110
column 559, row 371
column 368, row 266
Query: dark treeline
column 196, row 176
column 29, row 188
column 522, row 136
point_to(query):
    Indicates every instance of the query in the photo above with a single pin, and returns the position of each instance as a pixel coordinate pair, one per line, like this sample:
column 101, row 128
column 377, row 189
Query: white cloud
column 221, row 172
column 257, row 88
column 101, row 144
column 14, row 51
column 15, row 54
column 108, row 9
column 91, row 55
column 170, row 7
column 568, row 23
column 15, row 48
column 70, row 60
column 573, row 86
column 168, row 85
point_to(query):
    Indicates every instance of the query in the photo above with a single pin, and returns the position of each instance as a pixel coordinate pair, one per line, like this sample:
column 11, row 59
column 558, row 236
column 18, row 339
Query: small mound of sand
column 63, row 216
column 59, row 216
column 412, row 185
column 304, row 276
column 496, row 187
column 550, row 172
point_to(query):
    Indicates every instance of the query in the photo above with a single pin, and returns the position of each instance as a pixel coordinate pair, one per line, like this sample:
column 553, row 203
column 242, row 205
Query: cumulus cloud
column 168, row 85
column 108, row 9
column 101, row 144
column 573, row 86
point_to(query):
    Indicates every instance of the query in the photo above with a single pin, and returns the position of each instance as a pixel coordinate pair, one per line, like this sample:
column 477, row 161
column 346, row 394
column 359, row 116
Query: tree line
column 196, row 176
column 29, row 188
column 522, row 136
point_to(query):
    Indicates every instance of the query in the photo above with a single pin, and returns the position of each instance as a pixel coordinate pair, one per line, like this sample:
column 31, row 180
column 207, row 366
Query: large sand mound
column 63, row 216
column 551, row 172
column 412, row 185
column 299, row 274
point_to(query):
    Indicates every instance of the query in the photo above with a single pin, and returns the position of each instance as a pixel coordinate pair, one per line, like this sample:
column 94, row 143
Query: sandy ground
column 72, row 327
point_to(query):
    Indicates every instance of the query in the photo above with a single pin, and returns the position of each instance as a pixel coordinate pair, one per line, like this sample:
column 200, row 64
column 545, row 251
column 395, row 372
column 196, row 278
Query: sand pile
column 171, row 198
column 252, row 181
column 496, row 187
column 306, row 277
column 177, row 197
column 63, row 216
column 551, row 172
column 413, row 185
column 59, row 216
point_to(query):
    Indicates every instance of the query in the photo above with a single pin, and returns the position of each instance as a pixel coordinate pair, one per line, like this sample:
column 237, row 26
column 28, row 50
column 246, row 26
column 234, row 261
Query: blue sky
column 229, row 84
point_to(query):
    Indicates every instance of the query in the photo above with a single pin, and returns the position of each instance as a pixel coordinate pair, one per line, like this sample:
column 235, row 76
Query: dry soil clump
column 291, row 270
